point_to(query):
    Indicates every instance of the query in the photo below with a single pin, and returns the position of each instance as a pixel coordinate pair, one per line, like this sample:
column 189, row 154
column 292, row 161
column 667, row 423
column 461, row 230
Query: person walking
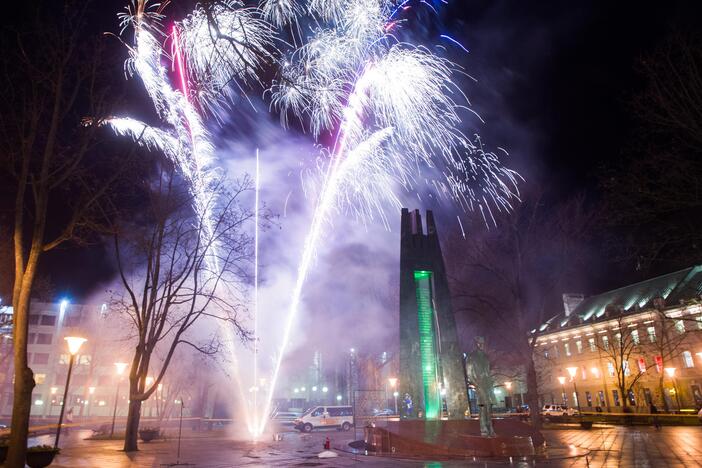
column 654, row 413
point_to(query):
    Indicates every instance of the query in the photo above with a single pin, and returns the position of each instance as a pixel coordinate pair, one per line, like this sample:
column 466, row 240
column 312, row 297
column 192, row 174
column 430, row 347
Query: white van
column 339, row 417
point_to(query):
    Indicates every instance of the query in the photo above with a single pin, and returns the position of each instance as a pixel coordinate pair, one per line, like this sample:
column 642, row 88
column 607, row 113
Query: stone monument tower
column 431, row 369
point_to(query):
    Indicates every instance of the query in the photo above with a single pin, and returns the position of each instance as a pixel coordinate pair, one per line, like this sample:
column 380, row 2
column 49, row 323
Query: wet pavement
column 600, row 447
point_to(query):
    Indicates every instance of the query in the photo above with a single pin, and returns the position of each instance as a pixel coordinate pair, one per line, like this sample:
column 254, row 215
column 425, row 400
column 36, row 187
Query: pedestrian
column 654, row 413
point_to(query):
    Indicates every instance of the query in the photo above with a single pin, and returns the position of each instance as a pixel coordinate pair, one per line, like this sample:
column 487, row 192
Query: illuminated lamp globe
column 74, row 344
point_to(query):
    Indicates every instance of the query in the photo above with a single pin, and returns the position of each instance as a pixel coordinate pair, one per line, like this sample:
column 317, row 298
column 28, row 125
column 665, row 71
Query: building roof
column 674, row 288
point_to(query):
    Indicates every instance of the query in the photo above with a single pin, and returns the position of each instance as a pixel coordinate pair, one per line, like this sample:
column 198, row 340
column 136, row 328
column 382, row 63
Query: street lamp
column 508, row 387
column 74, row 344
column 671, row 373
column 120, row 367
column 393, row 383
column 338, row 398
column 561, row 380
column 573, row 372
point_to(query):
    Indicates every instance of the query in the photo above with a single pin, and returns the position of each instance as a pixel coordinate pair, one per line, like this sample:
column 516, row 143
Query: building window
column 64, row 358
column 579, row 346
column 601, row 398
column 605, row 343
column 43, row 338
column 615, row 394
column 632, row 398
column 687, row 359
column 583, row 372
column 635, row 336
column 593, row 346
column 610, row 369
column 546, row 353
column 555, row 351
column 34, row 320
column 625, row 366
column 567, row 349
column 618, row 338
column 659, row 364
column 83, row 360
column 651, row 334
column 49, row 320
column 41, row 358
column 39, row 378
column 588, row 398
column 31, row 337
column 680, row 326
column 699, row 322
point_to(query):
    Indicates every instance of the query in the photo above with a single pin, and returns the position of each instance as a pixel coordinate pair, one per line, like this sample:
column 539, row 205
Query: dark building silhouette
column 431, row 369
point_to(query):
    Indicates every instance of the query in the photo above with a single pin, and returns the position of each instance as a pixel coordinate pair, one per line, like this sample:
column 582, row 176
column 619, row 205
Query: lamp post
column 573, row 372
column 508, row 387
column 91, row 392
column 671, row 373
column 119, row 367
column 561, row 380
column 74, row 344
column 393, row 384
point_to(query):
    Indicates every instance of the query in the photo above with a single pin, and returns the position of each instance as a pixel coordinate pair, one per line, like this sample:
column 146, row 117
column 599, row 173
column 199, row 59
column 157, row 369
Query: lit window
column 567, row 349
column 579, row 346
column 635, row 336
column 699, row 322
column 651, row 334
column 546, row 353
column 618, row 338
column 593, row 346
column 687, row 359
column 659, row 364
column 642, row 365
column 605, row 343
column 625, row 366
column 615, row 394
column 583, row 372
column 39, row 378
column 610, row 369
column 680, row 326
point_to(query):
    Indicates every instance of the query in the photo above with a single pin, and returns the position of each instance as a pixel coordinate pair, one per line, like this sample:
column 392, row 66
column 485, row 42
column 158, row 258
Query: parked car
column 558, row 410
column 285, row 418
column 339, row 417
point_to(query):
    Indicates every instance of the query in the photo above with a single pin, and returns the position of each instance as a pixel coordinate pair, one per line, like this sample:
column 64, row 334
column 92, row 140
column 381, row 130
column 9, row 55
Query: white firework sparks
column 224, row 46
column 398, row 124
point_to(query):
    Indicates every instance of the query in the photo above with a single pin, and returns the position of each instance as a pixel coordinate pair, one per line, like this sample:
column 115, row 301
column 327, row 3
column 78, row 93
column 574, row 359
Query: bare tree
column 50, row 74
column 177, row 269
column 505, row 279
column 653, row 194
column 633, row 352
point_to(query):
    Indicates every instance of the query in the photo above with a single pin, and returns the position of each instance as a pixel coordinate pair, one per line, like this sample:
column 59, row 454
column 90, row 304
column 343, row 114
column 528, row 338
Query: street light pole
column 562, row 380
column 671, row 373
column 121, row 366
column 74, row 344
column 573, row 371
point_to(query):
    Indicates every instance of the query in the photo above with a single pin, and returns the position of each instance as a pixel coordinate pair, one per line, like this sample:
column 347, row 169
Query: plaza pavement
column 606, row 446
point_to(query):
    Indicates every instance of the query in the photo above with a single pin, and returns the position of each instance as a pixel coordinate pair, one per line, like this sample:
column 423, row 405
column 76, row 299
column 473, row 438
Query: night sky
column 553, row 83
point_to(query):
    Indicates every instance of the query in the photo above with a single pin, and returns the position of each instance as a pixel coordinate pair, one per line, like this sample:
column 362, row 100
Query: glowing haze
column 392, row 110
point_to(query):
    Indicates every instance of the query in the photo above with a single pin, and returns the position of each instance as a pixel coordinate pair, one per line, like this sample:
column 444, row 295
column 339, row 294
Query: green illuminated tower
column 431, row 367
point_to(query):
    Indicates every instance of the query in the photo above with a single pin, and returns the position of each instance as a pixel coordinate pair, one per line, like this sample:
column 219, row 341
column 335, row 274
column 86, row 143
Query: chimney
column 571, row 301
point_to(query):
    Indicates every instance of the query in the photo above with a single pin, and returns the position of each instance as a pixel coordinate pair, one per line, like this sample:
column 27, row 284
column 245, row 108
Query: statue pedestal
column 453, row 439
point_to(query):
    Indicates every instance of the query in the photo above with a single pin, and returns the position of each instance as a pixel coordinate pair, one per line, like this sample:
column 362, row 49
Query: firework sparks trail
column 399, row 125
column 222, row 47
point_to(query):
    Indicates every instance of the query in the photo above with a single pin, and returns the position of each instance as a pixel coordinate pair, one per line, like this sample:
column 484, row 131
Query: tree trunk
column 533, row 395
column 132, row 431
column 24, row 377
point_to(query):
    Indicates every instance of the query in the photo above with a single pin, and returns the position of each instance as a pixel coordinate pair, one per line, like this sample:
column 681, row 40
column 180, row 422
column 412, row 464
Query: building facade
column 632, row 346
